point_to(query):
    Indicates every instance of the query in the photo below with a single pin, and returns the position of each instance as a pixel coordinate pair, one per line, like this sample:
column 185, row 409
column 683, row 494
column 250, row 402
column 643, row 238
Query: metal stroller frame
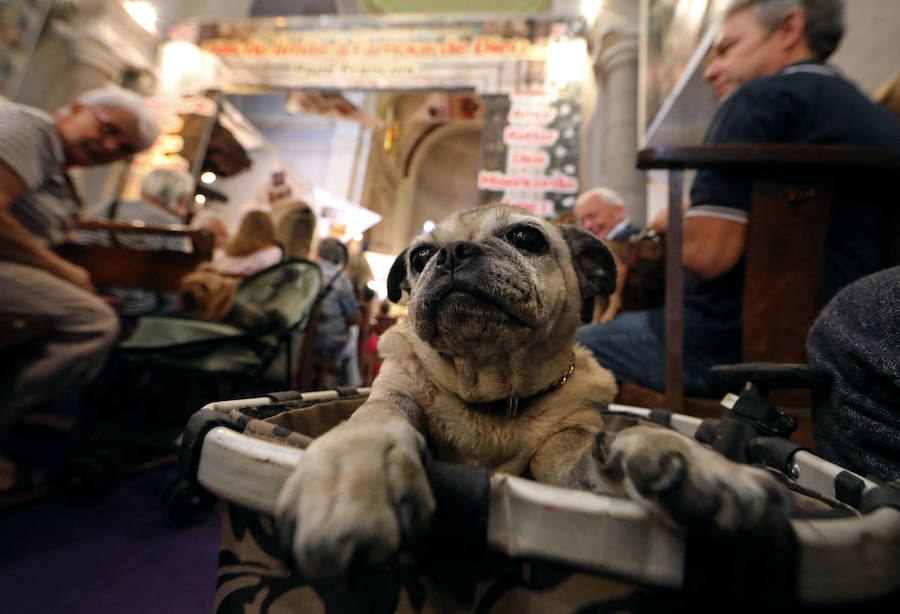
column 838, row 560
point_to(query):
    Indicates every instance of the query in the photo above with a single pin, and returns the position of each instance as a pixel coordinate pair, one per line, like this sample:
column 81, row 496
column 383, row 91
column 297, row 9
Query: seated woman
column 295, row 224
column 251, row 250
column 337, row 316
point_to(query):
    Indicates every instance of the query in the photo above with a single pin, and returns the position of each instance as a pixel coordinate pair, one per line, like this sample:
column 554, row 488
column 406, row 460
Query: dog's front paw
column 689, row 484
column 356, row 497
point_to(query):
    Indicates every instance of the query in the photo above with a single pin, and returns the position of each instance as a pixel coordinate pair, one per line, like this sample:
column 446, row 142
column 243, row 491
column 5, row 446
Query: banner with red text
column 487, row 55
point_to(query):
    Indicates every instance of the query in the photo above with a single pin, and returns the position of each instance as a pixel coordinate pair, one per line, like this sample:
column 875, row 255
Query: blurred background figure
column 295, row 225
column 217, row 228
column 166, row 194
column 371, row 361
column 37, row 205
column 252, row 249
column 601, row 211
column 335, row 337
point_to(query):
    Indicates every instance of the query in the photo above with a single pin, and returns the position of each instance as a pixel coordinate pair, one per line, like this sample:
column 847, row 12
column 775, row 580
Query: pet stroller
column 286, row 293
column 162, row 370
column 506, row 544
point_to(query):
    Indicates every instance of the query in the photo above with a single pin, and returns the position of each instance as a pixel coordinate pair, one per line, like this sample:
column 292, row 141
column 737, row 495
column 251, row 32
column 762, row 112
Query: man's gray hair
column 167, row 186
column 824, row 19
column 607, row 195
column 114, row 96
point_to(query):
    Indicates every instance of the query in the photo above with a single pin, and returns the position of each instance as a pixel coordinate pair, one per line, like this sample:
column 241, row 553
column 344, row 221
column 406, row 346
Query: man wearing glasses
column 37, row 205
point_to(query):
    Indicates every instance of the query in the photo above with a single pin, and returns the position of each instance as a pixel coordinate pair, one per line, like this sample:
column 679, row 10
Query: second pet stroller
column 156, row 378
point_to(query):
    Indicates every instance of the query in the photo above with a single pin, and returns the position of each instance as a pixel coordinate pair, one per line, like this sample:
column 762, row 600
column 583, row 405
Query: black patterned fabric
column 253, row 579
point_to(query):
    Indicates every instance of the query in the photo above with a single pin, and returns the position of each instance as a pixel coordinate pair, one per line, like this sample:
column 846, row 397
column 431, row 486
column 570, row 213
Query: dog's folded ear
column 396, row 281
column 594, row 263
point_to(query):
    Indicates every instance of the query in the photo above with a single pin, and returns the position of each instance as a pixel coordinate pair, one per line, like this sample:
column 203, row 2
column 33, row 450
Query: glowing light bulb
column 143, row 13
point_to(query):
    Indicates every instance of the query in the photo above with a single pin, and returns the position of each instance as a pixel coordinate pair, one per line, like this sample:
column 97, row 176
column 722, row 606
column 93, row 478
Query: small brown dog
column 485, row 371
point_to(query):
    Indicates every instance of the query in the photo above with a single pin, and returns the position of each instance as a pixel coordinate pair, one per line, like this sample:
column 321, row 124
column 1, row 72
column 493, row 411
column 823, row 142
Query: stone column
column 615, row 61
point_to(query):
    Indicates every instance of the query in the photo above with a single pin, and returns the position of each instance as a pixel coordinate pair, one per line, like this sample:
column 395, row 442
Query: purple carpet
column 118, row 555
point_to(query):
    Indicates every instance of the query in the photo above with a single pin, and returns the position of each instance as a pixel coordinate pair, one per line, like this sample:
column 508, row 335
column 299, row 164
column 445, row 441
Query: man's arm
column 19, row 245
column 712, row 245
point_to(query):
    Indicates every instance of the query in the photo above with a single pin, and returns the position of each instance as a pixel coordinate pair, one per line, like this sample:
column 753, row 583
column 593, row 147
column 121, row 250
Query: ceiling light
column 143, row 13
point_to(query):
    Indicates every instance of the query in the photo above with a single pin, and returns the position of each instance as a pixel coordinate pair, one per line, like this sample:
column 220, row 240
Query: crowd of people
column 768, row 67
column 769, row 70
column 81, row 323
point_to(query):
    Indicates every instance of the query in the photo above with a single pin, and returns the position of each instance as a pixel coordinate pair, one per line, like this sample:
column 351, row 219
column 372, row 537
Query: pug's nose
column 454, row 255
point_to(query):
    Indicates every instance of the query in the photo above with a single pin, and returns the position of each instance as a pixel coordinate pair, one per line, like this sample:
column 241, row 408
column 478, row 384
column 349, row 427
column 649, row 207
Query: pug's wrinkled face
column 495, row 279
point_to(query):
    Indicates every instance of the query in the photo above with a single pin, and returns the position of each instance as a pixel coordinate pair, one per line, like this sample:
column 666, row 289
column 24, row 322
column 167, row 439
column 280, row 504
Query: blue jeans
column 627, row 346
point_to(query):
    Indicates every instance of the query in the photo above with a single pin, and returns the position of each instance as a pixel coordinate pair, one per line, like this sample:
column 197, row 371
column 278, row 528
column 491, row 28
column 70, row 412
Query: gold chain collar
column 512, row 403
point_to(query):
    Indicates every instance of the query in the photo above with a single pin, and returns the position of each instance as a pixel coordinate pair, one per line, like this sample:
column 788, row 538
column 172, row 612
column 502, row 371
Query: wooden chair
column 125, row 266
column 793, row 189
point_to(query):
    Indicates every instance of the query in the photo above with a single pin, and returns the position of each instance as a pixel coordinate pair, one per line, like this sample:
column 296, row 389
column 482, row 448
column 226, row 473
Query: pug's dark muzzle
column 463, row 290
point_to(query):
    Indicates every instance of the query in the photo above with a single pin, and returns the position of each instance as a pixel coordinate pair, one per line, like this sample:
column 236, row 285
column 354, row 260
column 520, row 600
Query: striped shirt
column 134, row 301
column 133, row 211
column 30, row 144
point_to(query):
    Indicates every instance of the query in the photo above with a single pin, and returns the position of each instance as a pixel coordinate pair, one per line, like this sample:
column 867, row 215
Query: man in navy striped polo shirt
column 768, row 66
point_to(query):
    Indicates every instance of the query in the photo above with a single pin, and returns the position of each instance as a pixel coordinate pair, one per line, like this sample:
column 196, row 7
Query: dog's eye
column 527, row 238
column 420, row 257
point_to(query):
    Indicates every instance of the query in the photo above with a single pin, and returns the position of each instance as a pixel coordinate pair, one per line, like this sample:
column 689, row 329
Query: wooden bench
column 140, row 268
column 793, row 190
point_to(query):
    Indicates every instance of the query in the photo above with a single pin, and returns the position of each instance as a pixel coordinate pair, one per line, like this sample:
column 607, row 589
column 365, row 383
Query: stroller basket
column 243, row 450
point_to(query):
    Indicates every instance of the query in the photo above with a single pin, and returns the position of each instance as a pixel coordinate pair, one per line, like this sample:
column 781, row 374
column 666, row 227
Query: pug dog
column 485, row 371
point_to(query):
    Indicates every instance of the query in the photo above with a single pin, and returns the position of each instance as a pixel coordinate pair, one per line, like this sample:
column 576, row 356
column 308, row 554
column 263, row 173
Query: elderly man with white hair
column 37, row 205
column 601, row 211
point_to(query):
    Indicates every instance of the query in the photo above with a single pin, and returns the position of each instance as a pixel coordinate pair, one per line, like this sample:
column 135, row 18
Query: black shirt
column 808, row 102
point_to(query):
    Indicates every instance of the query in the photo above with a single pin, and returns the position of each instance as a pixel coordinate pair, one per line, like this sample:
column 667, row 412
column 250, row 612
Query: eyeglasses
column 111, row 131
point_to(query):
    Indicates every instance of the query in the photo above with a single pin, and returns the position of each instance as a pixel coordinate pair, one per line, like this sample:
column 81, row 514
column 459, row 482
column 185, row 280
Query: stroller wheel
column 85, row 477
column 185, row 503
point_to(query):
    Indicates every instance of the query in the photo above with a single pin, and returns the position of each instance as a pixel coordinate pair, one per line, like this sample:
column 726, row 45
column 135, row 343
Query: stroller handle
column 523, row 518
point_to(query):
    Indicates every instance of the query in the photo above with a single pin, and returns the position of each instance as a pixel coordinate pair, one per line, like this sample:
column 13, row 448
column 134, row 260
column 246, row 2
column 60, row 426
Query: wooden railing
column 125, row 266
column 793, row 190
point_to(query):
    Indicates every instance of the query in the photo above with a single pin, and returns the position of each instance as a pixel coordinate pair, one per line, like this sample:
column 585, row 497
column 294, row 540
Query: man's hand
column 75, row 274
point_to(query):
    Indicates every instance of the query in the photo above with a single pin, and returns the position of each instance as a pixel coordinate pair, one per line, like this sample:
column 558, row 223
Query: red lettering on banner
column 531, row 114
column 534, row 137
column 454, row 47
column 497, row 181
column 494, row 45
column 221, row 46
column 524, row 157
column 255, row 48
column 543, row 208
